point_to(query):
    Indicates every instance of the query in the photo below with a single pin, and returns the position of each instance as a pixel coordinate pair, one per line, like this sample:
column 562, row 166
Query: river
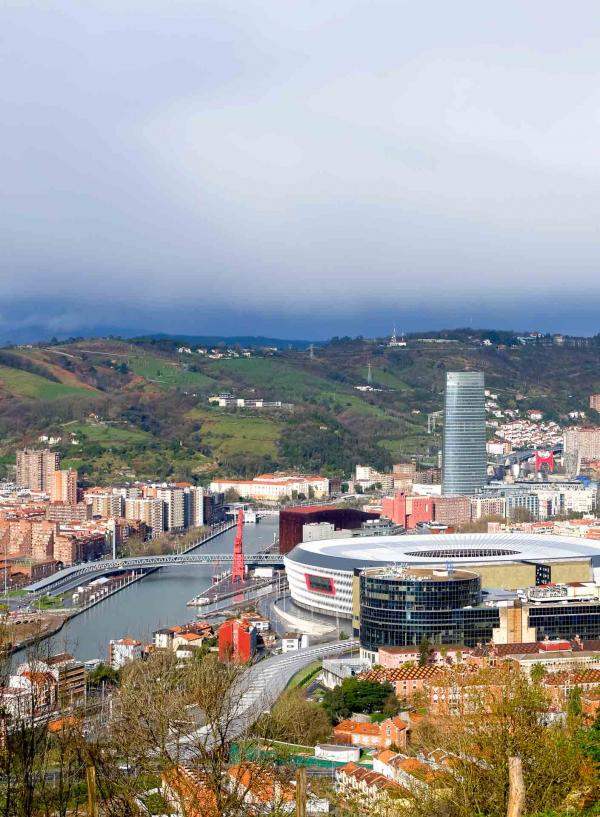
column 158, row 600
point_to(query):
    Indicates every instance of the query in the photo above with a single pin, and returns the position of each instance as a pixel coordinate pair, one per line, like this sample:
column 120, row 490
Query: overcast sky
column 298, row 167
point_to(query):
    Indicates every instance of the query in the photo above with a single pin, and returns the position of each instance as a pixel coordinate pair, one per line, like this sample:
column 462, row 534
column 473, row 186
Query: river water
column 157, row 601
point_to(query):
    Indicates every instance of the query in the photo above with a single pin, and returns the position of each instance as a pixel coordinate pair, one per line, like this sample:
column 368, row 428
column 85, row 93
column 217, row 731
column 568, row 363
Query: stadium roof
column 438, row 549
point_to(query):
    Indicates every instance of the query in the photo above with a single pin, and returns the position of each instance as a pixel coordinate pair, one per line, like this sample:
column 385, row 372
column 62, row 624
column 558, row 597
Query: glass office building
column 400, row 606
column 560, row 620
column 464, row 463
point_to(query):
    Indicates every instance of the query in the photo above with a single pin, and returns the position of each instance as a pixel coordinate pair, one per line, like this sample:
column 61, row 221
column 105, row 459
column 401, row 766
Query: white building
column 274, row 487
column 291, row 642
column 337, row 752
column 123, row 651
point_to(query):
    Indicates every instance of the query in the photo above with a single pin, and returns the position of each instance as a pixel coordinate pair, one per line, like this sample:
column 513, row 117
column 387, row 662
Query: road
column 259, row 688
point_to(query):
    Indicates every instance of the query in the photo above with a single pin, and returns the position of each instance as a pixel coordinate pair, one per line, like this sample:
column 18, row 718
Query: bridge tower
column 238, row 568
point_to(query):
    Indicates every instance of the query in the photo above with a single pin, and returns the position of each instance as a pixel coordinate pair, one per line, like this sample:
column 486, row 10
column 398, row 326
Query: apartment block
column 174, row 502
column 106, row 505
column 42, row 540
column 585, row 442
column 487, row 506
column 63, row 487
column 452, row 510
column 237, row 640
column 150, row 511
column 408, row 510
column 35, row 468
column 595, row 402
column 194, row 507
column 63, row 512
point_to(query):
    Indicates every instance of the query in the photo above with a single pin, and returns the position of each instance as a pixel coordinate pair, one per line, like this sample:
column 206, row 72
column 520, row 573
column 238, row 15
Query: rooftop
column 350, row 553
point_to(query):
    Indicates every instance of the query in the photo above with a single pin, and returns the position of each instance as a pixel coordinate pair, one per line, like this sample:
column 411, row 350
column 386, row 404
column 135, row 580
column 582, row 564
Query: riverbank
column 157, row 601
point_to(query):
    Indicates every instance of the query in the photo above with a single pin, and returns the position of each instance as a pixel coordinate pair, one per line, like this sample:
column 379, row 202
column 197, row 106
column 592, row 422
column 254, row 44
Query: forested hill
column 139, row 409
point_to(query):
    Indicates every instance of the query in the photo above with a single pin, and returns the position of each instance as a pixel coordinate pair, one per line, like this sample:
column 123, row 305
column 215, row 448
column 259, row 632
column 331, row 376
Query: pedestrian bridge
column 133, row 563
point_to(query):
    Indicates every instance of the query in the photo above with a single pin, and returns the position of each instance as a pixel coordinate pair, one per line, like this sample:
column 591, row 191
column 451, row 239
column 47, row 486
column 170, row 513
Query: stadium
column 321, row 574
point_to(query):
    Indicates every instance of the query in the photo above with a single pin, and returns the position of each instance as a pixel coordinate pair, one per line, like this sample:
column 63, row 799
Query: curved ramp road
column 260, row 687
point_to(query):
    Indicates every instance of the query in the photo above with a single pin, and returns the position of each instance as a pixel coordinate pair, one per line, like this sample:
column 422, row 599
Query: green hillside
column 140, row 410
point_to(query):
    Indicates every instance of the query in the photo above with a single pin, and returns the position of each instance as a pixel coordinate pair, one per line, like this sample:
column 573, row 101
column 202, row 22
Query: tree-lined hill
column 139, row 409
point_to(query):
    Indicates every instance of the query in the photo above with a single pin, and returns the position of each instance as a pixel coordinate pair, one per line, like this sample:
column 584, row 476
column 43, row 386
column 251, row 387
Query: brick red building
column 452, row 510
column 407, row 510
column 291, row 521
column 407, row 680
column 391, row 732
column 237, row 640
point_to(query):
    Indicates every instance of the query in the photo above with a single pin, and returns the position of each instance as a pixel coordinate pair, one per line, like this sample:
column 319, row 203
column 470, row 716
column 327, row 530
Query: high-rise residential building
column 452, row 510
column 174, row 499
column 464, row 464
column 63, row 487
column 595, row 402
column 194, row 506
column 582, row 444
column 36, row 467
column 150, row 510
column 106, row 505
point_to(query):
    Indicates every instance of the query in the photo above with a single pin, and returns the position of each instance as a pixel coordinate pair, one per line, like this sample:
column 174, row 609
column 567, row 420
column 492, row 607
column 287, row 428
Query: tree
column 522, row 515
column 170, row 716
column 508, row 723
column 295, row 719
column 537, row 672
column 424, row 650
column 353, row 695
column 103, row 673
column 574, row 707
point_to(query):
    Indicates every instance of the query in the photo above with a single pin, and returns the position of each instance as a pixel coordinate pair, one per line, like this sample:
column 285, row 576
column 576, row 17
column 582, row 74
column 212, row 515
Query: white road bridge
column 71, row 575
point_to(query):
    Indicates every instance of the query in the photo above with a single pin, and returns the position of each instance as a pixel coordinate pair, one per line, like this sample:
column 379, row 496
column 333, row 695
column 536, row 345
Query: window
column 320, row 584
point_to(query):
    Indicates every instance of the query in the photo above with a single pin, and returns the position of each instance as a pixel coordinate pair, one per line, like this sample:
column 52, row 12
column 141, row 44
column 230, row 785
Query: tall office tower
column 464, row 464
column 35, row 468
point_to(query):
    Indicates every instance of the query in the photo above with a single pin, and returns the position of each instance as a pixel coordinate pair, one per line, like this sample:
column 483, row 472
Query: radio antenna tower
column 369, row 375
column 238, row 568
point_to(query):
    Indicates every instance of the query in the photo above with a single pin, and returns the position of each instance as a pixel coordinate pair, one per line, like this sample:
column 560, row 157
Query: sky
column 301, row 168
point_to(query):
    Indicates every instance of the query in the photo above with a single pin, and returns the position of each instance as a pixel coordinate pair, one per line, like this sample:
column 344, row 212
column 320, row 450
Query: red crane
column 238, row 570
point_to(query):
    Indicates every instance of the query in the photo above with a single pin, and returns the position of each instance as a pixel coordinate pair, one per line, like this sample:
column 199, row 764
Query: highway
column 259, row 688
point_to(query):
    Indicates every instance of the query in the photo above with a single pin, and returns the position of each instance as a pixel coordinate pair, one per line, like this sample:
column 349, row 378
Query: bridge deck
column 102, row 568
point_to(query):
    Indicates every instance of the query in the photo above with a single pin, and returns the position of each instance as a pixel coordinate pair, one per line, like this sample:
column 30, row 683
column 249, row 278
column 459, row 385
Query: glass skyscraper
column 464, row 463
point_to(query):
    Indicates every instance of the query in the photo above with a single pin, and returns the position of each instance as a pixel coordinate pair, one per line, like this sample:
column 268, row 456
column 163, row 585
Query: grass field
column 108, row 436
column 304, row 676
column 277, row 377
column 385, row 377
column 232, row 433
column 166, row 374
column 26, row 384
column 351, row 402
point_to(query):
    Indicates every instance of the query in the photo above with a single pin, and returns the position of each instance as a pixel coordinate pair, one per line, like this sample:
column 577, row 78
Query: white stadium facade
column 321, row 573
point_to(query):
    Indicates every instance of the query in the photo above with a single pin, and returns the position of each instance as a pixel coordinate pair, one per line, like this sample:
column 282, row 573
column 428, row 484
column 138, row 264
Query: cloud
column 313, row 161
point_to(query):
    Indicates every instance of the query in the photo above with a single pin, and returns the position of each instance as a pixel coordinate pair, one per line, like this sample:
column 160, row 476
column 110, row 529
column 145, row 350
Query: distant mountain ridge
column 250, row 341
